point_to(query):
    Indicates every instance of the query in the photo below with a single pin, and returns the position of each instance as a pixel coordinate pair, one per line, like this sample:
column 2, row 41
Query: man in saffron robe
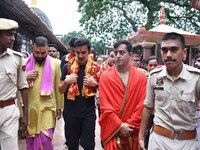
column 122, row 91
column 45, row 101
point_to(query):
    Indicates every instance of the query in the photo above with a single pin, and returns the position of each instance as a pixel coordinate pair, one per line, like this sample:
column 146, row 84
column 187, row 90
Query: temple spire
column 162, row 14
column 34, row 3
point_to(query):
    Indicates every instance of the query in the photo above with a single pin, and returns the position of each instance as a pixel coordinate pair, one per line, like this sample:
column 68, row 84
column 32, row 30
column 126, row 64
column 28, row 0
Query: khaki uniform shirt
column 9, row 80
column 175, row 101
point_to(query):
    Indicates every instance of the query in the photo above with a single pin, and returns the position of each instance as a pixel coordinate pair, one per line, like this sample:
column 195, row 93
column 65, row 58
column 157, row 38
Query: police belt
column 7, row 103
column 180, row 135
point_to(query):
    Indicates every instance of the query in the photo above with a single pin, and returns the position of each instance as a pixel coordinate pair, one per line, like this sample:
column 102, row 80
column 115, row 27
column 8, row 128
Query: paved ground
column 59, row 140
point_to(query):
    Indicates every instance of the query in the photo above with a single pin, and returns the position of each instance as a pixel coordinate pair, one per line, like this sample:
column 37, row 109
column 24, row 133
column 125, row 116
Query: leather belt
column 180, row 135
column 7, row 103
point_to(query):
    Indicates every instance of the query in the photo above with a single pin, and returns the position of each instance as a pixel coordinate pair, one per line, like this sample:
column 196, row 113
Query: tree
column 98, row 46
column 65, row 39
column 109, row 19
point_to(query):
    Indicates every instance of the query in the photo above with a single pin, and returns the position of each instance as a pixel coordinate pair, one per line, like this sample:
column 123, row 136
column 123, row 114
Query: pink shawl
column 46, row 86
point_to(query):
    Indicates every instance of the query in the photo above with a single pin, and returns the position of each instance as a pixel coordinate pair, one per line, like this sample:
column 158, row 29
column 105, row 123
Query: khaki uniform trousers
column 9, row 125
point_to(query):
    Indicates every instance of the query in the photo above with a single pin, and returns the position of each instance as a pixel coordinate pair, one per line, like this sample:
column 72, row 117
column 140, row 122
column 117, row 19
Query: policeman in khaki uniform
column 12, row 78
column 173, row 92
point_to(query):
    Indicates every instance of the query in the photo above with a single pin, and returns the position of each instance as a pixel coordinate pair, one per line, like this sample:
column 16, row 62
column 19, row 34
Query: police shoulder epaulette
column 156, row 70
column 192, row 69
column 17, row 53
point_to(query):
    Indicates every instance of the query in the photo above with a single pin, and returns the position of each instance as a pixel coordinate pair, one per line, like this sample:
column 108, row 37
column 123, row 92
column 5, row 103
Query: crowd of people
column 142, row 105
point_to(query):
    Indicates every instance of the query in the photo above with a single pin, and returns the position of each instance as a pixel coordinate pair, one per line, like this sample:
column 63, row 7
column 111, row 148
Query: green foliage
column 65, row 39
column 98, row 46
column 114, row 19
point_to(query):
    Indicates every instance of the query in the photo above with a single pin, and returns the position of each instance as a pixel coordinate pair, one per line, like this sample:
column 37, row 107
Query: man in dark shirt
column 64, row 60
column 79, row 81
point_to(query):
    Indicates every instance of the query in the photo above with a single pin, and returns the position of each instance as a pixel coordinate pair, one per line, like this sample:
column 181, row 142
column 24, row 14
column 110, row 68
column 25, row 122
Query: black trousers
column 80, row 131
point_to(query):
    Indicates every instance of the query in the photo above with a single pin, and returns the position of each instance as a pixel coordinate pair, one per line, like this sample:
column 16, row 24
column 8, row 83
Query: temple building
column 41, row 14
column 147, row 42
column 32, row 23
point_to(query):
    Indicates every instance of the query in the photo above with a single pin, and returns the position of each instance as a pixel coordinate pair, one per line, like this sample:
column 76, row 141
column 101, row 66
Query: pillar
column 147, row 49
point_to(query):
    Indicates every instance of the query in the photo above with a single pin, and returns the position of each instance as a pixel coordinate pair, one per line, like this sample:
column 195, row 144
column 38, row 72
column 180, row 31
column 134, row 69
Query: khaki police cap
column 8, row 24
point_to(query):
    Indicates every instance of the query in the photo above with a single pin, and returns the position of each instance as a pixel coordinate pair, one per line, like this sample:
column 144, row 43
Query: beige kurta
column 42, row 110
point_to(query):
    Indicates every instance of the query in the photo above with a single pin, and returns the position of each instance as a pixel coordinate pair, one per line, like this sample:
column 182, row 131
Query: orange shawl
column 91, row 69
column 104, row 66
column 69, row 56
column 111, row 92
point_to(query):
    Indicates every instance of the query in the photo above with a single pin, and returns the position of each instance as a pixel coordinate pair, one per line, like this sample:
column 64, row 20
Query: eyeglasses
column 172, row 49
column 121, row 52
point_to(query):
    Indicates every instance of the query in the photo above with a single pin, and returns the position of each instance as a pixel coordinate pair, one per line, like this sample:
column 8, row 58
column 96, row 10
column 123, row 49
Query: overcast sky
column 62, row 14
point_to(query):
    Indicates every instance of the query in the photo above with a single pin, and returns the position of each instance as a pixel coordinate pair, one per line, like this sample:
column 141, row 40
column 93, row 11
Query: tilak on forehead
column 80, row 49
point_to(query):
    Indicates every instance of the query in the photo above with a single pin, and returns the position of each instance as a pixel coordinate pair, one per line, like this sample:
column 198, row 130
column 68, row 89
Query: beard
column 39, row 60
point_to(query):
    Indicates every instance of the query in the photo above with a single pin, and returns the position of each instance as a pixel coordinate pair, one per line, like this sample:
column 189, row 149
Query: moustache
column 168, row 60
column 118, row 60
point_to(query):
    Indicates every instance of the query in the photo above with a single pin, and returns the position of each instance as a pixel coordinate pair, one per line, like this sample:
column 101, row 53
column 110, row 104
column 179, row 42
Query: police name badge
column 159, row 83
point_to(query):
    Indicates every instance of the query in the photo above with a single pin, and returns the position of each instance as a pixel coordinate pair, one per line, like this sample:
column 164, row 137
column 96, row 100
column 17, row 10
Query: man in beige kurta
column 43, row 107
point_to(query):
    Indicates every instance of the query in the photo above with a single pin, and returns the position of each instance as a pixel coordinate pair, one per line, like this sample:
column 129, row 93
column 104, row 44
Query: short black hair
column 127, row 43
column 17, row 43
column 83, row 41
column 110, row 51
column 41, row 41
column 53, row 45
column 174, row 36
column 72, row 41
column 150, row 58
